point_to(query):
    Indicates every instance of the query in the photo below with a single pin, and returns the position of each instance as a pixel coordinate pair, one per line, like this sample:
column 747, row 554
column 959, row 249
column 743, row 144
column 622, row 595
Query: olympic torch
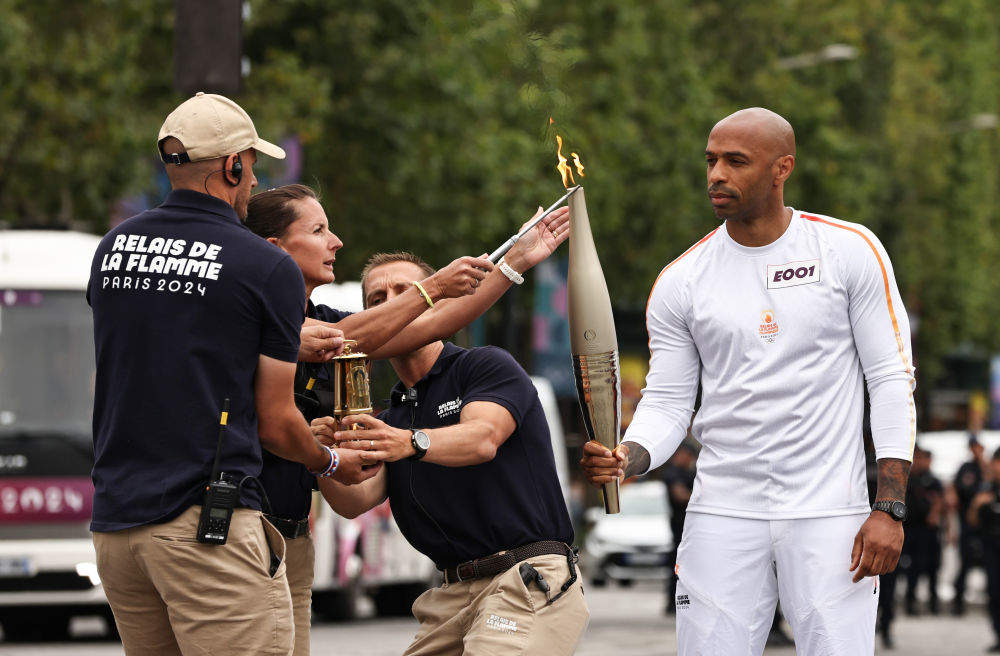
column 593, row 341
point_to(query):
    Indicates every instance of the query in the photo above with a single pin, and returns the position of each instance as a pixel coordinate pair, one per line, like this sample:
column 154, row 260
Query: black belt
column 290, row 528
column 490, row 566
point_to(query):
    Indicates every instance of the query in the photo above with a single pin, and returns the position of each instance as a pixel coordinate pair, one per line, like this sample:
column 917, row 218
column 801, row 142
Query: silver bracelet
column 508, row 271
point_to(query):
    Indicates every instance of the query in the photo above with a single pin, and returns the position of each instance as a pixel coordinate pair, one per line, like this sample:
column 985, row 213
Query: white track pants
column 732, row 571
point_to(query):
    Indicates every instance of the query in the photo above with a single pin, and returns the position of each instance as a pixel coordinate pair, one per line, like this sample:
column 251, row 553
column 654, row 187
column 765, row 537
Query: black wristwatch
column 421, row 442
column 895, row 509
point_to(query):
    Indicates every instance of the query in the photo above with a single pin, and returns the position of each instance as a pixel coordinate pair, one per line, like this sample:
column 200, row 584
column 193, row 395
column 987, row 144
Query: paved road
column 624, row 622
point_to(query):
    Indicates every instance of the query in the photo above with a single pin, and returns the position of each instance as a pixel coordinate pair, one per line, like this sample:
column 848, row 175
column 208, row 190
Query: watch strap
column 418, row 451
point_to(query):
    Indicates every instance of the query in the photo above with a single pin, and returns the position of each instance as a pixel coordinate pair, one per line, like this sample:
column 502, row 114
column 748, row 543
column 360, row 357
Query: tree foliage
column 425, row 123
column 80, row 85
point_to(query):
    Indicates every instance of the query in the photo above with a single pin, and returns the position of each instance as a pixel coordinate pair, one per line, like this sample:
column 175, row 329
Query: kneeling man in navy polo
column 471, row 479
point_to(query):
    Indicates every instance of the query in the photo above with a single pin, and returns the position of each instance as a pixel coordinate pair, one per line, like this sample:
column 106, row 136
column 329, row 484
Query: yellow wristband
column 423, row 292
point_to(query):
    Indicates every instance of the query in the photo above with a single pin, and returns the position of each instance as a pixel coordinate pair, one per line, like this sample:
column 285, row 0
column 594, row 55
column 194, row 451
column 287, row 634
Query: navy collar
column 196, row 200
column 448, row 353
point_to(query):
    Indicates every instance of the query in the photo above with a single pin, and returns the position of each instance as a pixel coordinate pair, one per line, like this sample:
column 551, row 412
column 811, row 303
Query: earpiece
column 237, row 169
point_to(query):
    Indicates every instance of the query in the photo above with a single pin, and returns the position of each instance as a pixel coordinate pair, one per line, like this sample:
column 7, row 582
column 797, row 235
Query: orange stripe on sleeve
column 885, row 280
column 649, row 339
column 888, row 301
column 673, row 262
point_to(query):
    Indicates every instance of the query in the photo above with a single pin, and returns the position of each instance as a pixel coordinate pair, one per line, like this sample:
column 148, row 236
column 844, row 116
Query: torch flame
column 563, row 166
column 564, row 170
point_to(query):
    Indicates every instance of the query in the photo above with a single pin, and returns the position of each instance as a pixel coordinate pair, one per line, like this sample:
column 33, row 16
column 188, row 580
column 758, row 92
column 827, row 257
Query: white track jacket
column 779, row 336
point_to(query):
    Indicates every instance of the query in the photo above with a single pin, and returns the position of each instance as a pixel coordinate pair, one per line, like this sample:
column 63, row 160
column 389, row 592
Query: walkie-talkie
column 221, row 496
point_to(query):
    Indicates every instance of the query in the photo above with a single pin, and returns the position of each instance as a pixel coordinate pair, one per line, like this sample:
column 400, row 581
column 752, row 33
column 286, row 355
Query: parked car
column 634, row 544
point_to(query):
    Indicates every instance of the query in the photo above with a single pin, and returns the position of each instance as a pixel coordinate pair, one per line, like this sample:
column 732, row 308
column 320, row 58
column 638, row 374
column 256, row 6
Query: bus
column 48, row 571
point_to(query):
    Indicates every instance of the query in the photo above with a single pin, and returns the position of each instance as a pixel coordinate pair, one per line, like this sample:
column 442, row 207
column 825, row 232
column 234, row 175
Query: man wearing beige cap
column 196, row 324
column 217, row 137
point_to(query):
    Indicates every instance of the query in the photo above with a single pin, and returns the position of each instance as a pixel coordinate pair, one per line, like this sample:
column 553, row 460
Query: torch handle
column 610, row 493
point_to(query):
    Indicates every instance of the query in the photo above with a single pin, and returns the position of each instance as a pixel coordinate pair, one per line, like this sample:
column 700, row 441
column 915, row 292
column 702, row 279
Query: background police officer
column 967, row 483
column 471, row 480
column 190, row 308
column 921, row 554
column 678, row 476
column 984, row 515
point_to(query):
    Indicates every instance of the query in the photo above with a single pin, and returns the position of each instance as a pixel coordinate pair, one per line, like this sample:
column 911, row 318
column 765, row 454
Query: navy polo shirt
column 185, row 299
column 455, row 514
column 289, row 484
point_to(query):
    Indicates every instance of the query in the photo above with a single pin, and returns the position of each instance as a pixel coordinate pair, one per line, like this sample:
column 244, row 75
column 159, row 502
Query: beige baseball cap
column 210, row 126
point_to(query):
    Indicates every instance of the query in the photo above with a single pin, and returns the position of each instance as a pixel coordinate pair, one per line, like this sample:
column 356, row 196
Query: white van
column 47, row 566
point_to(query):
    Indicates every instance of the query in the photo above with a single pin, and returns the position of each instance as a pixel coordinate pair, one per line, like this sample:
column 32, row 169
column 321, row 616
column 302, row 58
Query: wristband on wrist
column 332, row 467
column 508, row 271
column 423, row 292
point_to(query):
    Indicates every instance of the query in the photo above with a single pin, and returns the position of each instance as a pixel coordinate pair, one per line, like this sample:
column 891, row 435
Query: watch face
column 898, row 510
column 422, row 440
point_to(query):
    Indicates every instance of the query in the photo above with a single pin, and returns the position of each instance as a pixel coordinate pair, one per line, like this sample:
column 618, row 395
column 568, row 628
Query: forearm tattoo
column 638, row 460
column 892, row 475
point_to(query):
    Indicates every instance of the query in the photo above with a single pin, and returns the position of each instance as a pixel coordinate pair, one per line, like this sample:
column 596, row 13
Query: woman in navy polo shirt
column 292, row 218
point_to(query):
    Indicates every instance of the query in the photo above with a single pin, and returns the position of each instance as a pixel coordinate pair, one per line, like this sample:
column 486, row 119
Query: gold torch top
column 349, row 353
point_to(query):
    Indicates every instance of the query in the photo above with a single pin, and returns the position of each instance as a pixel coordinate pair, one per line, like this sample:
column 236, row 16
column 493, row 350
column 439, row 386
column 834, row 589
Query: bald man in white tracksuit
column 781, row 336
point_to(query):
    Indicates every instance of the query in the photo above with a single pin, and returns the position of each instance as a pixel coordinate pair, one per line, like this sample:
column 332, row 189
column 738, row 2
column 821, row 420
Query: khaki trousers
column 501, row 616
column 173, row 595
column 300, row 558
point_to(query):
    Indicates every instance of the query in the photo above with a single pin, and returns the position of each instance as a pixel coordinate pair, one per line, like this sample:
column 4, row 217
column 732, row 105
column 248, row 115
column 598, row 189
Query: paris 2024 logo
column 768, row 328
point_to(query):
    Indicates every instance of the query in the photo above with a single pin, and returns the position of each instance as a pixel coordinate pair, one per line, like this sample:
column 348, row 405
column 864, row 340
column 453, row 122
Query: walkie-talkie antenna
column 223, row 421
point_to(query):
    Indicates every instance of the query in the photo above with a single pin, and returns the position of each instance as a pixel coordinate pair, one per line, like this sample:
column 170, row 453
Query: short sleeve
column 492, row 374
column 330, row 315
column 93, row 268
column 283, row 299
